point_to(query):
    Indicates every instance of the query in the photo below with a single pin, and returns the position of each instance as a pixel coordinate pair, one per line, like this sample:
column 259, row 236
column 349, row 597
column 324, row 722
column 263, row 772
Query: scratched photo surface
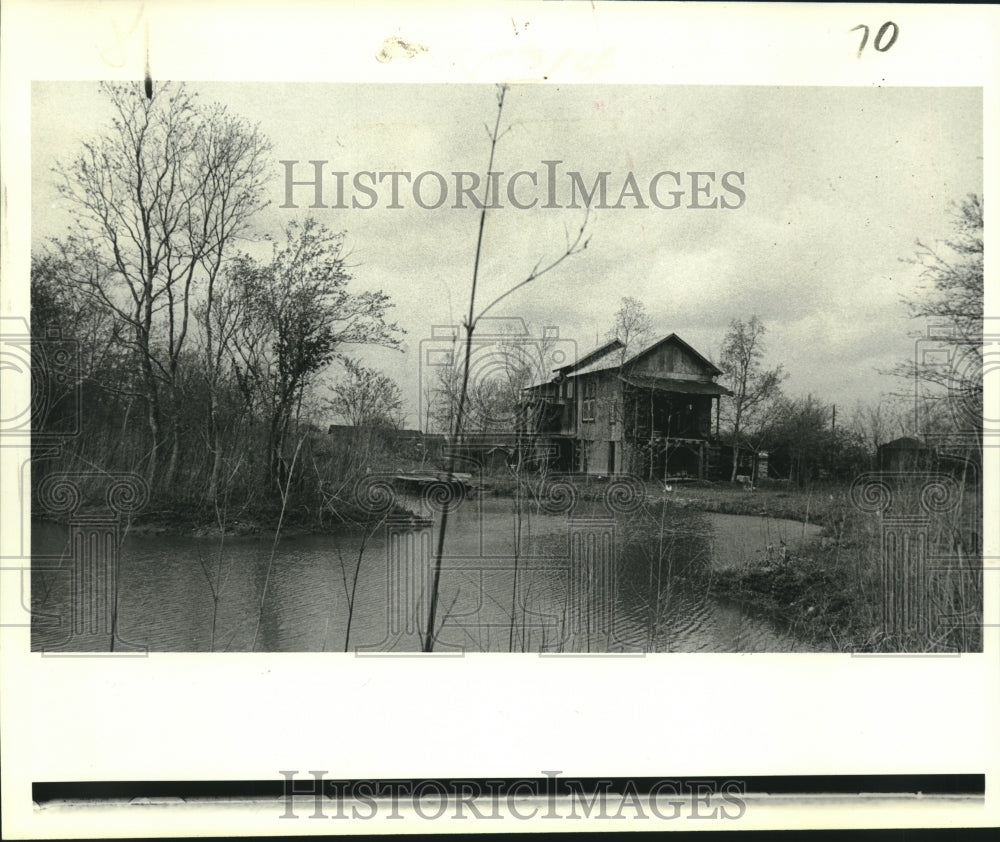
column 566, row 369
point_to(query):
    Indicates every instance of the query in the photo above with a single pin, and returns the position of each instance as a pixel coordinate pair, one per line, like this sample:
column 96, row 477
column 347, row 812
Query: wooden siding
column 655, row 425
column 673, row 360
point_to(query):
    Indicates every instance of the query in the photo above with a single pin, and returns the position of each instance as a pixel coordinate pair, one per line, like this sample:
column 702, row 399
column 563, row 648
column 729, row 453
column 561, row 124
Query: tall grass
column 835, row 591
column 948, row 604
column 665, row 552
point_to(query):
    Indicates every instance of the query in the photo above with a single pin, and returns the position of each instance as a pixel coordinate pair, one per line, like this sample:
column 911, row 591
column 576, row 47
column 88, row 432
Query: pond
column 584, row 584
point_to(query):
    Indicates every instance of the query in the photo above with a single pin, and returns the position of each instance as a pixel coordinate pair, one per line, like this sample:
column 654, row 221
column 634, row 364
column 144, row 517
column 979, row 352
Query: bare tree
column 632, row 326
column 573, row 246
column 753, row 387
column 879, row 422
column 75, row 314
column 441, row 394
column 299, row 313
column 365, row 397
column 517, row 358
column 156, row 202
column 952, row 271
column 951, row 302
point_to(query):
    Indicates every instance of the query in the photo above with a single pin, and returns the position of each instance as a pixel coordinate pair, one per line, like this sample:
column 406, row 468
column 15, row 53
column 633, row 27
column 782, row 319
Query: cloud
column 839, row 183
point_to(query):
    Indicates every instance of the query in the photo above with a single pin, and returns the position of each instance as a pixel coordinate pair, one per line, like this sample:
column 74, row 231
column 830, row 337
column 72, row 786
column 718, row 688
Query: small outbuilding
column 906, row 454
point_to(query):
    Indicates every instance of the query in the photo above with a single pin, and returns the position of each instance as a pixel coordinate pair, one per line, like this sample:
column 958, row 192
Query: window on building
column 589, row 399
column 569, row 388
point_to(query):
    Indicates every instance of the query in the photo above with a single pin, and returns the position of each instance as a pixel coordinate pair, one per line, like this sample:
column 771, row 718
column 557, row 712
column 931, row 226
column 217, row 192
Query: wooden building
column 650, row 414
column 906, row 454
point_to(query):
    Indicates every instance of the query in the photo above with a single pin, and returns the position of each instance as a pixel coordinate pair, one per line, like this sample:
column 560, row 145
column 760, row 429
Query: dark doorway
column 611, row 457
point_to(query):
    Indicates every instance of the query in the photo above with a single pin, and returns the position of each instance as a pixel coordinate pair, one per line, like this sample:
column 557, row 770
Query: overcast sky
column 838, row 184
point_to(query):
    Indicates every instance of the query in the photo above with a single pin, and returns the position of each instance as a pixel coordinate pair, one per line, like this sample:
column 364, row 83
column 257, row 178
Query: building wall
column 595, row 439
column 593, row 457
column 607, row 424
column 672, row 360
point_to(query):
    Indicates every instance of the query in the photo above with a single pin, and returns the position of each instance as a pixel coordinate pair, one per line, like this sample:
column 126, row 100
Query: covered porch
column 667, row 425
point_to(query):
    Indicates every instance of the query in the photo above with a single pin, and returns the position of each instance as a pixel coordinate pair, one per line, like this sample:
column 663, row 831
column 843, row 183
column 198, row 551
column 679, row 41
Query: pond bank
column 181, row 593
column 199, row 521
column 822, row 505
column 809, row 592
column 815, row 591
column 802, row 592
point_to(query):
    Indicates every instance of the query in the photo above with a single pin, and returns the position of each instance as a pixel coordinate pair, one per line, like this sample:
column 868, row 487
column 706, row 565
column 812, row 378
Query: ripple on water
column 167, row 583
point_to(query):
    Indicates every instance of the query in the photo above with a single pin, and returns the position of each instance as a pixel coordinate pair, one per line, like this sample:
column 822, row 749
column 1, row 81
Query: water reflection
column 531, row 583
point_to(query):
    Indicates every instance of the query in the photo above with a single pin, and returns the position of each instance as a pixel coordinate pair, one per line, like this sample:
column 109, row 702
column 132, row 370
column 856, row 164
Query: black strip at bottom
column 302, row 782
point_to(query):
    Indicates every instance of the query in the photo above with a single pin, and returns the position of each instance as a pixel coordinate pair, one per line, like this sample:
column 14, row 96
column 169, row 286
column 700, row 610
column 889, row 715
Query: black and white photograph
column 507, row 368
column 361, row 373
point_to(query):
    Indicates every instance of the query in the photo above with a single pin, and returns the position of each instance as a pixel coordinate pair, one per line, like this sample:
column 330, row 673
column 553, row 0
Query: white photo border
column 204, row 717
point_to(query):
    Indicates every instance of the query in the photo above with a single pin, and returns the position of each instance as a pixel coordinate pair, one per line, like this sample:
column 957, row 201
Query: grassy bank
column 822, row 592
column 318, row 489
column 823, row 505
column 181, row 518
column 815, row 594
column 832, row 590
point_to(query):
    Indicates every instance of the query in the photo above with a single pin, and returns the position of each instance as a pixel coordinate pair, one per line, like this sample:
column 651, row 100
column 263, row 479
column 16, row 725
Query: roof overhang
column 674, row 384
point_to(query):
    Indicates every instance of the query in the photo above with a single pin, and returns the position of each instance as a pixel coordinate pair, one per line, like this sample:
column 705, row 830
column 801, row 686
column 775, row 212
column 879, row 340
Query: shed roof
column 675, row 384
column 587, row 359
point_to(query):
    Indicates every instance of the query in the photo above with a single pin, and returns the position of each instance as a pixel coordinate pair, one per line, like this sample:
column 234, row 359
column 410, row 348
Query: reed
column 906, row 579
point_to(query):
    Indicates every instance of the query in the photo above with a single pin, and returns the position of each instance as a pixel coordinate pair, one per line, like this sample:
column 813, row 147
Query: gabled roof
column 597, row 360
column 673, row 337
column 601, row 359
column 594, row 355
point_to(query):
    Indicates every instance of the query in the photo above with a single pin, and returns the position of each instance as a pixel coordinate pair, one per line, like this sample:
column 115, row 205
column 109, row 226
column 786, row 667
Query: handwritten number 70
column 881, row 44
